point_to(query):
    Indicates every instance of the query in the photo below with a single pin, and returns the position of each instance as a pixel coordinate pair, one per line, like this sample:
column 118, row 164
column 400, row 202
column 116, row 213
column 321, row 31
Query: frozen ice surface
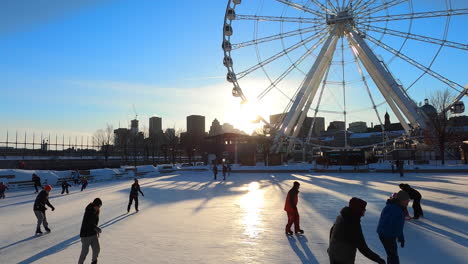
column 189, row 218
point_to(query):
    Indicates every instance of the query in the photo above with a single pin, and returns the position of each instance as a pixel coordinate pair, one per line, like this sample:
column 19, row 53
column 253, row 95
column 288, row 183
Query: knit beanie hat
column 402, row 196
column 357, row 205
column 97, row 202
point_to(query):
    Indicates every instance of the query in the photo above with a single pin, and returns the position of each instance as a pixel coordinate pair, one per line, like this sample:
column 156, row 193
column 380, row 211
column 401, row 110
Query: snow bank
column 47, row 177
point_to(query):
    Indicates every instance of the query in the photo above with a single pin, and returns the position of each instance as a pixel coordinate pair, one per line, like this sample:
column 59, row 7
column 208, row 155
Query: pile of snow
column 55, row 177
column 47, row 176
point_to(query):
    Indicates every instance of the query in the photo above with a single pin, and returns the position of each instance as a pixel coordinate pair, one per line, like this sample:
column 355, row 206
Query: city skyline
column 71, row 68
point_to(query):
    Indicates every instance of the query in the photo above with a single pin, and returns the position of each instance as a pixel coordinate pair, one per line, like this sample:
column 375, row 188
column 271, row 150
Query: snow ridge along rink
column 189, row 218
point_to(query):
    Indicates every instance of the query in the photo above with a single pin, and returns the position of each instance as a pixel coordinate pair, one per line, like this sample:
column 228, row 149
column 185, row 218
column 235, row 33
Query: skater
column 225, row 169
column 65, row 186
column 76, row 177
column 393, row 166
column 416, row 197
column 37, row 181
column 3, row 187
column 346, row 235
column 390, row 227
column 134, row 195
column 90, row 231
column 400, row 166
column 215, row 171
column 39, row 208
column 290, row 207
column 229, row 169
column 84, row 183
column 405, row 209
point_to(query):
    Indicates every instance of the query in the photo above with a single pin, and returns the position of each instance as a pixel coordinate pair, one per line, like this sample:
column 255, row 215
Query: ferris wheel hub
column 342, row 17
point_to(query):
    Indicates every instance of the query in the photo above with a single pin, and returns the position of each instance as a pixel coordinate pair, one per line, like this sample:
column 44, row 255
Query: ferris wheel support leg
column 307, row 90
column 385, row 81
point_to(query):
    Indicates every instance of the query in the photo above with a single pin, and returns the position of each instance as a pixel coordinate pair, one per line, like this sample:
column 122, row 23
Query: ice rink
column 189, row 218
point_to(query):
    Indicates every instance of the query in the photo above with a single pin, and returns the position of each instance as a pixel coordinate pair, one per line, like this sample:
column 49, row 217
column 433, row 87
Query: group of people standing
column 226, row 170
column 346, row 236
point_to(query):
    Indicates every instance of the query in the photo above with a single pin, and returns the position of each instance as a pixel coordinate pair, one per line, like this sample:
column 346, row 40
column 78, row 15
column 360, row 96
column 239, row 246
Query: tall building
column 358, row 127
column 215, row 128
column 387, row 121
column 195, row 130
column 155, row 126
column 134, row 126
column 196, row 125
column 336, row 126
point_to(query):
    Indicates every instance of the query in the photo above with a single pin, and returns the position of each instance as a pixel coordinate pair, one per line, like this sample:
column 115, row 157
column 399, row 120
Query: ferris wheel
column 345, row 60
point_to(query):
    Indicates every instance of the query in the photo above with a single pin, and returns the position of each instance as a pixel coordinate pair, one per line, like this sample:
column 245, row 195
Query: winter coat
column 42, row 199
column 3, row 187
column 290, row 204
column 346, row 236
column 65, row 184
column 392, row 220
column 135, row 189
column 413, row 194
column 36, row 179
column 90, row 221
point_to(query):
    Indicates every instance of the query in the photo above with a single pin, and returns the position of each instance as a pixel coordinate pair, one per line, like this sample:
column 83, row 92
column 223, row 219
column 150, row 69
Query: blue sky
column 70, row 67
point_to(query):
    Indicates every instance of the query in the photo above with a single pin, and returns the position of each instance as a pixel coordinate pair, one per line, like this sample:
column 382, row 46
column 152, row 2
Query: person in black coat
column 225, row 169
column 65, row 186
column 90, row 231
column 134, row 195
column 39, row 208
column 416, row 197
column 37, row 181
column 346, row 235
column 215, row 170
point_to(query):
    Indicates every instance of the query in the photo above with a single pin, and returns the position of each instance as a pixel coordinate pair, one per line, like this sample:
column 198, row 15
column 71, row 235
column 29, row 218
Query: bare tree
column 438, row 133
column 104, row 138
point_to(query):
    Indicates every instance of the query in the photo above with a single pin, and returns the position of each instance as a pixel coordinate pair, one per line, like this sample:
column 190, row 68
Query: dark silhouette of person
column 134, row 195
column 346, row 235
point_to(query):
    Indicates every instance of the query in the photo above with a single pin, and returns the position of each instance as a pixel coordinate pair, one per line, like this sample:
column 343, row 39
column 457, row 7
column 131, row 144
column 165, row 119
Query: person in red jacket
column 290, row 207
column 3, row 187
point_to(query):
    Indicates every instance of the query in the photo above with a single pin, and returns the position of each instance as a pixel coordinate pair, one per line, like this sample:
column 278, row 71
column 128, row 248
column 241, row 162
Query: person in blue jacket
column 391, row 223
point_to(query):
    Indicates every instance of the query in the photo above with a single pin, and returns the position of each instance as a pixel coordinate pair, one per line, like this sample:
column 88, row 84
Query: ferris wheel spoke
column 379, row 8
column 323, row 7
column 417, row 37
column 301, row 7
column 418, row 65
column 452, row 12
column 278, row 55
column 363, row 5
column 279, row 19
column 277, row 36
column 289, row 69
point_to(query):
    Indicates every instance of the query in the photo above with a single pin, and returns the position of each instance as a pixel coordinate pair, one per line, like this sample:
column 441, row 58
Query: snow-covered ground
column 189, row 218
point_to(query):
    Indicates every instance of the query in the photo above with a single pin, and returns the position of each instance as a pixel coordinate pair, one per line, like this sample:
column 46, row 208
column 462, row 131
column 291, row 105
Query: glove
column 381, row 261
column 98, row 230
column 53, row 208
column 142, row 195
column 402, row 243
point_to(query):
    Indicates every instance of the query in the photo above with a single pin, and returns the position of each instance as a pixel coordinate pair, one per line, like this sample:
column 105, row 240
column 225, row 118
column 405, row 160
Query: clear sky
column 71, row 67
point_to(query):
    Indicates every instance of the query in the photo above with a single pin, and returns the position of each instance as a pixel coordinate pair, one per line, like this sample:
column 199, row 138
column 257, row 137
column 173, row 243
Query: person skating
column 39, row 208
column 346, row 235
column 215, row 171
column 134, row 195
column 3, row 187
column 90, row 231
column 290, row 206
column 416, row 197
column 390, row 227
column 84, row 183
column 76, row 177
column 225, row 169
column 37, row 181
column 65, row 186
column 400, row 166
